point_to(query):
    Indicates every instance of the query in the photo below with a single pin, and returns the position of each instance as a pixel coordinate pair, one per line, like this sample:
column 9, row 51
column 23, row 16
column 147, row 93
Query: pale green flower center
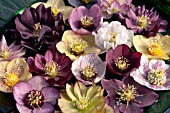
column 11, row 79
column 52, row 69
column 157, row 77
column 85, row 1
column 5, row 53
column 82, row 103
column 37, row 29
column 122, row 63
column 89, row 72
column 87, row 22
column 142, row 21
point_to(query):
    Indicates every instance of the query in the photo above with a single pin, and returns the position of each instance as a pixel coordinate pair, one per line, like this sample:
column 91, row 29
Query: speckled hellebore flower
column 89, row 68
column 55, row 67
column 86, row 3
column 128, row 96
column 122, row 61
column 36, row 96
column 8, row 53
column 112, row 34
column 144, row 21
column 85, row 21
column 82, row 99
column 74, row 45
column 154, row 74
column 57, row 6
column 110, row 7
column 153, row 47
column 12, row 72
column 38, row 28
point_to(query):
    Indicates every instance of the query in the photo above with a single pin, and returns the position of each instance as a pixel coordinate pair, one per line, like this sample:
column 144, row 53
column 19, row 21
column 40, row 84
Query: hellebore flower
column 12, row 72
column 154, row 74
column 145, row 22
column 82, row 99
column 36, row 96
column 86, row 3
column 8, row 53
column 55, row 67
column 38, row 28
column 111, row 35
column 110, row 7
column 153, row 47
column 128, row 96
column 74, row 45
column 121, row 61
column 57, row 6
column 89, row 68
column 85, row 21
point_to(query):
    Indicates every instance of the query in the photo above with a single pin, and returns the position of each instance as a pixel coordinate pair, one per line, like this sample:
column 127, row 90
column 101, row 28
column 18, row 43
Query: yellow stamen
column 85, row 1
column 82, row 103
column 122, row 63
column 87, row 22
column 11, row 79
column 37, row 29
column 143, row 21
column 5, row 54
column 52, row 69
column 55, row 11
column 89, row 73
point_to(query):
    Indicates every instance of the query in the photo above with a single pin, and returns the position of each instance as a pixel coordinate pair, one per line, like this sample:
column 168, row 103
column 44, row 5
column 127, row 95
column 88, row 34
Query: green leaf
column 161, row 105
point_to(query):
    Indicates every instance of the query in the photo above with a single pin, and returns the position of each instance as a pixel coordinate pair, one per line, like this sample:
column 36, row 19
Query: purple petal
column 39, row 61
column 46, row 108
column 48, row 56
column 23, row 109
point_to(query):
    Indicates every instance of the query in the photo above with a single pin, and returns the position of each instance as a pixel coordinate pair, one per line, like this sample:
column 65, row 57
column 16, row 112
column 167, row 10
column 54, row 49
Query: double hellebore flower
column 128, row 96
column 153, row 47
column 154, row 74
column 38, row 28
column 85, row 21
column 57, row 6
column 121, row 61
column 111, row 35
column 144, row 21
column 82, row 99
column 77, row 3
column 89, row 68
column 110, row 7
column 13, row 72
column 36, row 96
column 75, row 45
column 8, row 53
column 54, row 66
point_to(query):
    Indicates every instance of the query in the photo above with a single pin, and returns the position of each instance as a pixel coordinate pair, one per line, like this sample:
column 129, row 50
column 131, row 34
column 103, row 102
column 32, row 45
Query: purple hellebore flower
column 54, row 66
column 8, row 53
column 85, row 21
column 86, row 3
column 89, row 68
column 121, row 61
column 128, row 96
column 36, row 96
column 39, row 29
column 143, row 21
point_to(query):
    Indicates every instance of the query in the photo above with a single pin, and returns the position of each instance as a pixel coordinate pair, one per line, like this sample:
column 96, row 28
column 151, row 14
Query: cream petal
column 70, row 92
column 2, row 68
column 62, row 47
column 66, row 11
column 56, row 3
column 70, row 36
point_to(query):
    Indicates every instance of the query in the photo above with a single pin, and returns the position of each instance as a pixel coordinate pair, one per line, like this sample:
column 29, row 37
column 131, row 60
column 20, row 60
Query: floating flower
column 111, row 35
column 121, row 61
column 82, row 99
column 38, row 28
column 13, row 72
column 8, row 53
column 75, row 45
column 153, row 74
column 128, row 96
column 144, row 21
column 57, row 6
column 54, row 66
column 85, row 21
column 36, row 96
column 110, row 7
column 89, row 68
column 153, row 47
column 86, row 3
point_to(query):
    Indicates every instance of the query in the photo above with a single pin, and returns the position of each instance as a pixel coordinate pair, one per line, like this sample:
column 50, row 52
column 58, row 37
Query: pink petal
column 46, row 108
column 48, row 56
column 23, row 109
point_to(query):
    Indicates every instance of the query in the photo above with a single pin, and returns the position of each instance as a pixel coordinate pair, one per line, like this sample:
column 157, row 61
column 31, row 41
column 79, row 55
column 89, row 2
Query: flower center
column 142, row 21
column 37, row 29
column 122, row 63
column 55, row 11
column 5, row 53
column 113, row 36
column 88, row 73
column 87, row 22
column 11, row 79
column 155, row 47
column 77, row 47
column 157, row 77
column 34, row 99
column 85, row 1
column 52, row 69
column 82, row 103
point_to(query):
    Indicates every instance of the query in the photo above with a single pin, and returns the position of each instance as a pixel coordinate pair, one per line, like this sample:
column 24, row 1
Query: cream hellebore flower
column 57, row 6
column 153, row 47
column 13, row 72
column 112, row 34
column 75, row 45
